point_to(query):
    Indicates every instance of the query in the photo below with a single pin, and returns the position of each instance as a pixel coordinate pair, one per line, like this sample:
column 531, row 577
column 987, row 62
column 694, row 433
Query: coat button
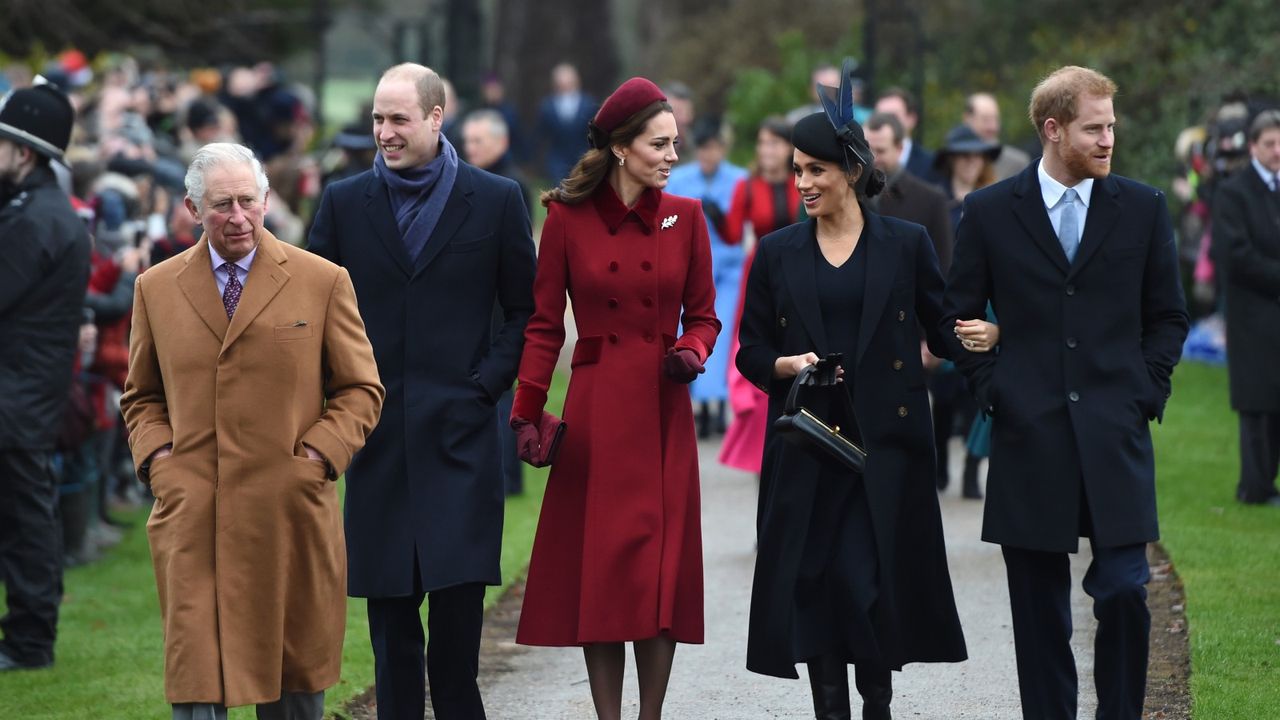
column 613, row 266
column 646, row 266
column 648, row 337
column 1073, row 396
column 613, row 338
column 782, row 321
column 1071, row 290
column 902, row 315
column 1072, row 343
column 613, row 302
column 647, row 302
column 897, row 364
column 902, row 411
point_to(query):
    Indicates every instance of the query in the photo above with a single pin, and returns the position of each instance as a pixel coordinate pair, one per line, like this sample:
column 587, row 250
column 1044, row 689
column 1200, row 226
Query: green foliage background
column 1173, row 60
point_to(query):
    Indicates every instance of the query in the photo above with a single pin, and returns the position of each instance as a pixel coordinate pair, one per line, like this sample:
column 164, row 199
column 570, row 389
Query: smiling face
column 407, row 136
column 1082, row 149
column 232, row 210
column 824, row 188
column 651, row 154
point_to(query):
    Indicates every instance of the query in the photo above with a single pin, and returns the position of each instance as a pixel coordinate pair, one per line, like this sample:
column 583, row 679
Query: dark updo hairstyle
column 847, row 147
column 593, row 167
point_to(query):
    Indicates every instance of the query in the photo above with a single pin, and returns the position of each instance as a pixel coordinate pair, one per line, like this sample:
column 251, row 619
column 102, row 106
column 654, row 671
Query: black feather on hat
column 833, row 135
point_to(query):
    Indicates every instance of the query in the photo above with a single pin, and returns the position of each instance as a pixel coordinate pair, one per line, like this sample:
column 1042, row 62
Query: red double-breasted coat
column 618, row 552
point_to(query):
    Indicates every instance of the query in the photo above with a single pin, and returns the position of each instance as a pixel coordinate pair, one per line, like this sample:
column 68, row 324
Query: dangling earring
column 622, row 161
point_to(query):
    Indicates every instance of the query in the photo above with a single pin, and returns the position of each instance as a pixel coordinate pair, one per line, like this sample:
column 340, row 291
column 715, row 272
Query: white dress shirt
column 1051, row 191
column 1270, row 179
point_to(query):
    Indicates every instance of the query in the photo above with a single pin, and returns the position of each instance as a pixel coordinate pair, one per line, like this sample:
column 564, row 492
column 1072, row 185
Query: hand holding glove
column 682, row 365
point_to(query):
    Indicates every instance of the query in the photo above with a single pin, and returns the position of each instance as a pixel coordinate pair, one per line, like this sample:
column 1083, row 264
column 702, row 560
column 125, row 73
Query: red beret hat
column 630, row 98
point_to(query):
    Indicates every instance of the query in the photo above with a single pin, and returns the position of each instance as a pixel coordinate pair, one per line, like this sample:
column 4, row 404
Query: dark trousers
column 30, row 555
column 950, row 398
column 1259, row 456
column 452, row 657
column 1040, row 596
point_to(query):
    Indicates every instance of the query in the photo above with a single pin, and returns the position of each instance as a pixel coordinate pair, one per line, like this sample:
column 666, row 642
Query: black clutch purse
column 800, row 426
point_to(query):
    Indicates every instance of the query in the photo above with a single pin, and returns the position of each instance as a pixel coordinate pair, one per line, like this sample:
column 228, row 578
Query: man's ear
column 1051, row 130
column 191, row 208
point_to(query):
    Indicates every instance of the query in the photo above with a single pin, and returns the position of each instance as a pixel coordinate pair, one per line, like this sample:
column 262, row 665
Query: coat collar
column 614, row 212
column 1028, row 207
column 266, row 277
column 798, row 266
column 381, row 218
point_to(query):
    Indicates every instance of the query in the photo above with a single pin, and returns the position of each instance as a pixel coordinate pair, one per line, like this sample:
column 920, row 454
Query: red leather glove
column 682, row 365
column 535, row 443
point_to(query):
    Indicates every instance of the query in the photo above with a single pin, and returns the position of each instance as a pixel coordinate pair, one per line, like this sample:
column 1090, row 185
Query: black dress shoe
column 8, row 662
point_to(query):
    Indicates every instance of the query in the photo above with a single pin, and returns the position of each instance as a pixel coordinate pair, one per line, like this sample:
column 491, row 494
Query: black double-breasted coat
column 1086, row 353
column 1246, row 246
column 429, row 479
column 915, row 618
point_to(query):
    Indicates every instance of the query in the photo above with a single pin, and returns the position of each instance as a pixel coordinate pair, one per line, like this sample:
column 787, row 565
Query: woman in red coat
column 618, row 552
column 769, row 201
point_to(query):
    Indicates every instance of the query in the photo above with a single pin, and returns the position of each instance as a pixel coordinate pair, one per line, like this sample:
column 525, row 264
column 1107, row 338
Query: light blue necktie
column 1069, row 225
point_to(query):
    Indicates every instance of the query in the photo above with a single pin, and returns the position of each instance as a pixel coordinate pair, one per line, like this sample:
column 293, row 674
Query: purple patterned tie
column 231, row 296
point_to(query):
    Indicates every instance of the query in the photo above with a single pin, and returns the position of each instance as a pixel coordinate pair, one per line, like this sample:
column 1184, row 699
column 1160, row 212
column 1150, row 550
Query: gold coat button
column 897, row 364
column 902, row 411
column 902, row 315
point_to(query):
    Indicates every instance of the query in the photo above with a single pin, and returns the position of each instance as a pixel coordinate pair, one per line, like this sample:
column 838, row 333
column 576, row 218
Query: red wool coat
column 618, row 553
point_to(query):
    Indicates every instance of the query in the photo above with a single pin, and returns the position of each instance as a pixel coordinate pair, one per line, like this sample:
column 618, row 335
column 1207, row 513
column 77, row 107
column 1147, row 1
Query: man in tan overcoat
column 251, row 384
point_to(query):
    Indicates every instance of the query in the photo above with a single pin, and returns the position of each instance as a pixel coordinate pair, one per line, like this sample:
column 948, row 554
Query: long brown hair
column 593, row 166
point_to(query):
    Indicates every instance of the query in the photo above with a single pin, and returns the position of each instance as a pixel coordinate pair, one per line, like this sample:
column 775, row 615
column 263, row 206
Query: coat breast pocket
column 1121, row 253
column 467, row 245
column 300, row 330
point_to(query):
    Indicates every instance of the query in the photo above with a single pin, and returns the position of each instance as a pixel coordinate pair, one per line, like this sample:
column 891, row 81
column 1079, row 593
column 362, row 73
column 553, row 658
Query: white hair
column 497, row 124
column 214, row 155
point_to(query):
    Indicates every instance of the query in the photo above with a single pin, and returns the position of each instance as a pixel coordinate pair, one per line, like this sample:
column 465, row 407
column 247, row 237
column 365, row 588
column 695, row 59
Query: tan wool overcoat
column 246, row 532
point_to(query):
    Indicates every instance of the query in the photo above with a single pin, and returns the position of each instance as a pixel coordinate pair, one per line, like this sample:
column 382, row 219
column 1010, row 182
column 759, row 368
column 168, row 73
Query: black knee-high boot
column 829, row 679
column 875, row 685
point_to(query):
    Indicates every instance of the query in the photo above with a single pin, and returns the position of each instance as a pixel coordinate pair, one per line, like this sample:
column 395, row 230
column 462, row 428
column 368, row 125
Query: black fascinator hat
column 833, row 135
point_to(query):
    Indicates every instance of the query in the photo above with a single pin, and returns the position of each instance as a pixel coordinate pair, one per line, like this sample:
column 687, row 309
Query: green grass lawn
column 109, row 652
column 1227, row 554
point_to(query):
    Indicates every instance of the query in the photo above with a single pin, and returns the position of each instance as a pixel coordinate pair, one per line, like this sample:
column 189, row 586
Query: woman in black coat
column 851, row 568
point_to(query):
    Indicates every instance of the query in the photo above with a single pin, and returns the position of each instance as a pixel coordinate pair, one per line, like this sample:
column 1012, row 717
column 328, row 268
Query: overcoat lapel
column 802, row 278
column 1104, row 210
column 266, row 277
column 455, row 212
column 377, row 207
column 1028, row 207
column 201, row 289
column 882, row 262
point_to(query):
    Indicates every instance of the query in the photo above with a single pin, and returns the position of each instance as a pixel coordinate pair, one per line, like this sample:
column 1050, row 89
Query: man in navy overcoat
column 1080, row 267
column 432, row 245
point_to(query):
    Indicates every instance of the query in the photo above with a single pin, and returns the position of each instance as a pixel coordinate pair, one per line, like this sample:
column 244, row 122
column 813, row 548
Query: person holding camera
column 851, row 567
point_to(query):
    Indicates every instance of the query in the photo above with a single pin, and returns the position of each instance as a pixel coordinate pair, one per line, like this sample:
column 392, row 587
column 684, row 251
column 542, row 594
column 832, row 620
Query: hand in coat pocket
column 538, row 444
